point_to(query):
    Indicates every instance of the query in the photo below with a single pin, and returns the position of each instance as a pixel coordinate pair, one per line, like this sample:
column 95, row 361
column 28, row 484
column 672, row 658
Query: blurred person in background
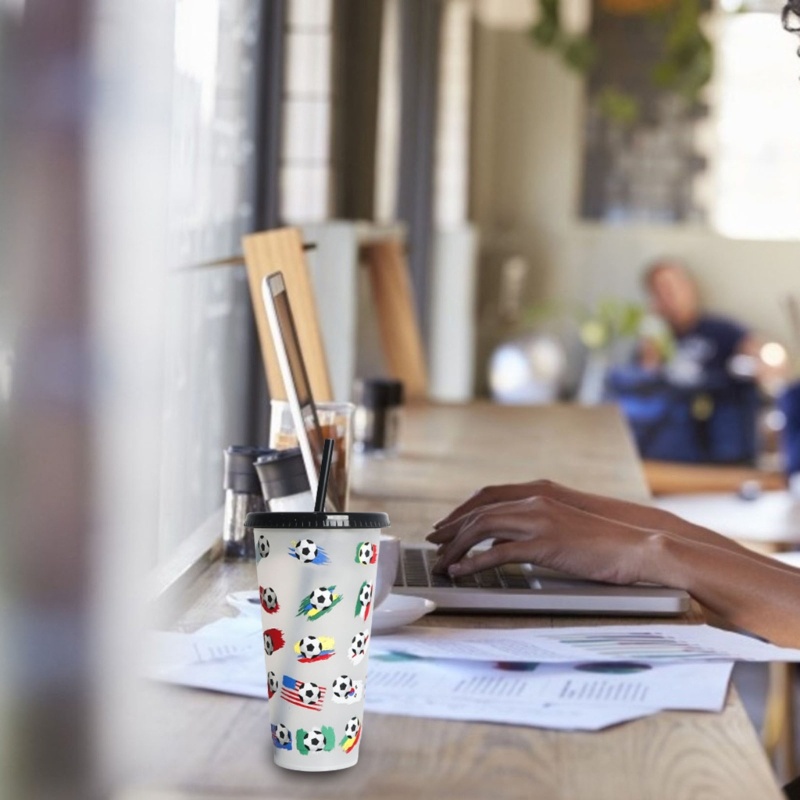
column 700, row 343
column 692, row 394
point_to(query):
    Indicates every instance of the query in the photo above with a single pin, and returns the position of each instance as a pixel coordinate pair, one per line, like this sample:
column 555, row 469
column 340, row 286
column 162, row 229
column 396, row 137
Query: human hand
column 501, row 493
column 542, row 530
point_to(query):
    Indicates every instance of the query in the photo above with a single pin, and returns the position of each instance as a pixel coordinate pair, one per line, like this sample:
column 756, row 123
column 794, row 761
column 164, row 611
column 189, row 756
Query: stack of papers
column 579, row 678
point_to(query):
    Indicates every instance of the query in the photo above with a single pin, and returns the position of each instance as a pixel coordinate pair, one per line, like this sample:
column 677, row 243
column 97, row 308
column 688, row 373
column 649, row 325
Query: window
column 756, row 162
column 208, row 328
column 306, row 143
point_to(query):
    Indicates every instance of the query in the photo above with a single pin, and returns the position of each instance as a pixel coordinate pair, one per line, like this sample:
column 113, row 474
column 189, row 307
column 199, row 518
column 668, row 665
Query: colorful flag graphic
column 302, row 693
column 364, row 600
column 346, row 690
column 273, row 640
column 314, row 648
column 308, row 552
column 281, row 737
column 316, row 740
column 319, row 602
column 366, row 553
column 358, row 647
column 269, row 599
column 352, row 733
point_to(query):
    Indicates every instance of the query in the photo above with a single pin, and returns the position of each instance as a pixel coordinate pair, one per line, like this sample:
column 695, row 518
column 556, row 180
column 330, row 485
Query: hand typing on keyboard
column 606, row 539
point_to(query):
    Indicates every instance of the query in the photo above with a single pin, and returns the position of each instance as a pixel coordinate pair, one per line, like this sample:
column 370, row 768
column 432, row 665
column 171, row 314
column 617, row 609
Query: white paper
column 395, row 686
column 651, row 643
column 227, row 656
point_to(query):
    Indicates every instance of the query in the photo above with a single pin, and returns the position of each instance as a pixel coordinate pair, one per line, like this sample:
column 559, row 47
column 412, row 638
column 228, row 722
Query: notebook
column 524, row 588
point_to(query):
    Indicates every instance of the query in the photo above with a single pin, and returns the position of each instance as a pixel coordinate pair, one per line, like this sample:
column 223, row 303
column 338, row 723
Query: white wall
column 526, row 172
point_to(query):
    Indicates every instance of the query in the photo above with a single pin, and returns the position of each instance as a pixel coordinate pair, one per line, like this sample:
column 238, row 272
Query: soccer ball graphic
column 310, row 646
column 352, row 727
column 309, row 693
column 342, row 686
column 272, row 682
column 365, row 594
column 314, row 740
column 306, row 550
column 282, row 734
column 364, row 553
column 269, row 647
column 321, row 598
column 358, row 647
column 269, row 599
column 262, row 546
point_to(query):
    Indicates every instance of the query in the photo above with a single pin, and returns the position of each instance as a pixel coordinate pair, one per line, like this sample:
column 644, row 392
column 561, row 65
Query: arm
column 624, row 511
column 752, row 592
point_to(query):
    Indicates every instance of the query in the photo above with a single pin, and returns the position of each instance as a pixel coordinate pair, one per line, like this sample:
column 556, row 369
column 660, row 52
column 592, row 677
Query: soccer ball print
column 269, row 599
column 262, row 546
column 316, row 589
column 366, row 553
column 346, row 690
column 319, row 602
column 315, row 740
column 308, row 552
column 314, row 648
column 302, row 693
column 352, row 733
column 364, row 601
column 281, row 737
column 358, row 647
column 273, row 640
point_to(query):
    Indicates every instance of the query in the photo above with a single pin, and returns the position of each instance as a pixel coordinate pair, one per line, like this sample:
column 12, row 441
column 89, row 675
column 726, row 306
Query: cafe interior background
column 531, row 172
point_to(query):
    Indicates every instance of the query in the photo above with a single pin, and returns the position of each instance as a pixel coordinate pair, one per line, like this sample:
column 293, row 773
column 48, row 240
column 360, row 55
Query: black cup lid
column 282, row 473
column 240, row 475
column 312, row 519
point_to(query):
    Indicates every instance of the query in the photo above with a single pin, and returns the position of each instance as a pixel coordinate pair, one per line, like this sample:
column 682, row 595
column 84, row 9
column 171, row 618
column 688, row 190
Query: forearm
column 755, row 595
column 657, row 519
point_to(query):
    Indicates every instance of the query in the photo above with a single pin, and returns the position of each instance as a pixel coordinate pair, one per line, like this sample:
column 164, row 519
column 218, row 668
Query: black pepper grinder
column 376, row 423
column 242, row 495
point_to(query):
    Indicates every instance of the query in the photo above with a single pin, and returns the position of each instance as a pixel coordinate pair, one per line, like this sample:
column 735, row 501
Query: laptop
column 526, row 589
column 292, row 365
column 509, row 589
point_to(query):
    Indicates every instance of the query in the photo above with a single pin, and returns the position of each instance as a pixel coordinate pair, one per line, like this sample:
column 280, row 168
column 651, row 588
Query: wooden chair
column 397, row 319
column 282, row 250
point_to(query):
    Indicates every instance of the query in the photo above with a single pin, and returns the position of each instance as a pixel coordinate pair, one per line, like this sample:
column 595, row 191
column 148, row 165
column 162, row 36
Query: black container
column 242, row 497
column 376, row 423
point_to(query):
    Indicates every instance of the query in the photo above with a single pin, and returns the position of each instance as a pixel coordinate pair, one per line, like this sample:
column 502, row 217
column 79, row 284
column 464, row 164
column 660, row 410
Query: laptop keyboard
column 415, row 570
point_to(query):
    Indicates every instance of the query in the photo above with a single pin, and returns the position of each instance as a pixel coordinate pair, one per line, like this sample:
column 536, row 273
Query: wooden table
column 208, row 745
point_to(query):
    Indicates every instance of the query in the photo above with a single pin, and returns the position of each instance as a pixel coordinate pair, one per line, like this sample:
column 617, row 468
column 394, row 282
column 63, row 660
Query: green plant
column 576, row 51
column 610, row 321
column 684, row 67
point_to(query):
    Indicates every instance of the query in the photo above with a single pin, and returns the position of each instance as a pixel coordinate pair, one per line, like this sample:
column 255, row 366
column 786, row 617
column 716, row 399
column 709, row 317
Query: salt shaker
column 376, row 424
column 284, row 480
column 242, row 495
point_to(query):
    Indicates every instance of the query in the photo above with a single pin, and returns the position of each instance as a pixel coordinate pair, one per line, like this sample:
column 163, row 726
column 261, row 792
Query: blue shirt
column 703, row 352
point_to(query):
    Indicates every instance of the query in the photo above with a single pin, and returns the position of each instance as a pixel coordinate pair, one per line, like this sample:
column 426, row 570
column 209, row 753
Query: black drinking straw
column 324, row 471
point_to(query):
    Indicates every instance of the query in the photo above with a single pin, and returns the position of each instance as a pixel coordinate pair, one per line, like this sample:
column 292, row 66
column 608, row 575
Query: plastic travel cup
column 335, row 421
column 316, row 576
